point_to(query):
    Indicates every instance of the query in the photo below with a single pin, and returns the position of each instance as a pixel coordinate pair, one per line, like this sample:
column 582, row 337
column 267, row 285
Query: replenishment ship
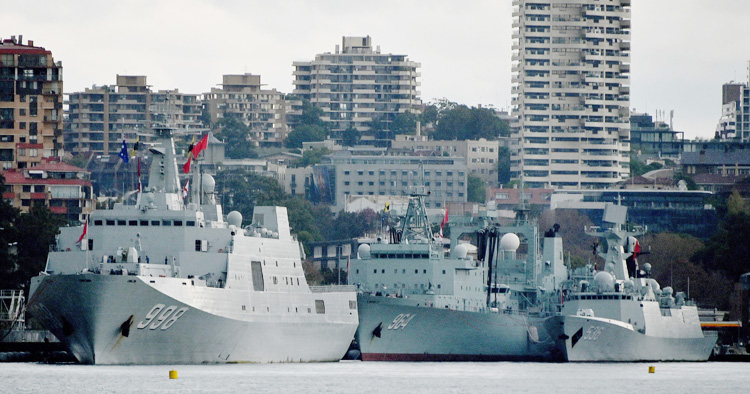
column 166, row 281
column 418, row 302
column 622, row 314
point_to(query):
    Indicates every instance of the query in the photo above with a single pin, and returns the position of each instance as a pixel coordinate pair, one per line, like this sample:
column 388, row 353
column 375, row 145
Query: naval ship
column 418, row 302
column 166, row 281
column 620, row 313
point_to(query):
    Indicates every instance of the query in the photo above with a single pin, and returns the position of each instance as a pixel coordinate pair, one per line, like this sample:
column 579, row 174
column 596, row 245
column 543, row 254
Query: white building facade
column 571, row 91
column 357, row 84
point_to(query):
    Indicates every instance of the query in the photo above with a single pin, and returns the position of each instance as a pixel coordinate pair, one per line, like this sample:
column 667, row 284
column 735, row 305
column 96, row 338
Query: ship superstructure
column 419, row 302
column 168, row 281
column 620, row 313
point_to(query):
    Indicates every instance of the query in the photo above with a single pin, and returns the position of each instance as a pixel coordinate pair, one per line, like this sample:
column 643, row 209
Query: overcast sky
column 682, row 50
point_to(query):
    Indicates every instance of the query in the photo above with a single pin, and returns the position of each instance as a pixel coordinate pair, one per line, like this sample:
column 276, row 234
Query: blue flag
column 124, row 152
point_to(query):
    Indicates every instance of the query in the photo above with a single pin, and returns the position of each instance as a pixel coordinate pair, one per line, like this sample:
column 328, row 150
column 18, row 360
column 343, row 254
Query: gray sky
column 682, row 50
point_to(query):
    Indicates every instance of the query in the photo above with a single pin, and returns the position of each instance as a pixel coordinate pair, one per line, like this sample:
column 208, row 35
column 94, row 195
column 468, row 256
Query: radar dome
column 605, row 281
column 234, row 218
column 509, row 242
column 460, row 251
column 647, row 268
column 364, row 251
column 208, row 184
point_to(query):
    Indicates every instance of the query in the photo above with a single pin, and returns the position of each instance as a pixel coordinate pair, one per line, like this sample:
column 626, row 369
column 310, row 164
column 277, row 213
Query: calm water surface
column 369, row 377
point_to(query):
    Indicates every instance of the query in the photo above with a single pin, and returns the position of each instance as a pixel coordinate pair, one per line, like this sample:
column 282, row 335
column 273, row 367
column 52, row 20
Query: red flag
column 637, row 249
column 202, row 144
column 186, row 166
column 85, row 230
column 186, row 189
column 445, row 220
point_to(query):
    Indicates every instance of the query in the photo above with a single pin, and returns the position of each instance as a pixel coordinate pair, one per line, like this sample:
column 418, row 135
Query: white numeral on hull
column 401, row 321
column 592, row 333
column 159, row 316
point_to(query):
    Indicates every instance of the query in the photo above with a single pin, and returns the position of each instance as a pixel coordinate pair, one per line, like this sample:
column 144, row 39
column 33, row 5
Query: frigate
column 620, row 313
column 420, row 302
column 165, row 281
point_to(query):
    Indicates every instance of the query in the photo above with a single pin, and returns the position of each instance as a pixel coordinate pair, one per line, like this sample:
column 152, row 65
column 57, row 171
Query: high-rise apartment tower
column 571, row 92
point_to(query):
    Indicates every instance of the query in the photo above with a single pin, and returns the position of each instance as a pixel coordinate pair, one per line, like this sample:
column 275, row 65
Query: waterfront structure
column 262, row 110
column 99, row 118
column 481, row 155
column 344, row 174
column 66, row 190
column 654, row 138
column 31, row 103
column 357, row 84
column 571, row 93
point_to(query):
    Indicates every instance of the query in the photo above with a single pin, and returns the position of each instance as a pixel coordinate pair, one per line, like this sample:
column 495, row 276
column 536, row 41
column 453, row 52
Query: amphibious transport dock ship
column 166, row 282
column 620, row 313
column 418, row 304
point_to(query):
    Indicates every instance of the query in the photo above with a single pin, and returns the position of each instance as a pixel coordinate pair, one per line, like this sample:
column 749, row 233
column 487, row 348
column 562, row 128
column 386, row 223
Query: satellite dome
column 510, row 242
column 208, row 184
column 460, row 251
column 647, row 267
column 234, row 218
column 364, row 251
column 605, row 281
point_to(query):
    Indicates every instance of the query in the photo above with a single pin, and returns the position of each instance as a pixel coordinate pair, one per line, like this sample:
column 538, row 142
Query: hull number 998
column 161, row 316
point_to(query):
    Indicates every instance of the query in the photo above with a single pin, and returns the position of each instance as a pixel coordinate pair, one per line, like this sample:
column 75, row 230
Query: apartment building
column 99, row 118
column 343, row 174
column 262, row 110
column 31, row 102
column 66, row 190
column 358, row 84
column 571, row 92
column 481, row 155
column 734, row 123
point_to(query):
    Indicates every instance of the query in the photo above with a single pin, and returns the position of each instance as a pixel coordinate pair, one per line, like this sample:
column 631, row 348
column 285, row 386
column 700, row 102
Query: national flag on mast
column 136, row 146
column 191, row 146
column 186, row 166
column 201, row 145
column 186, row 189
column 124, row 152
column 85, row 230
column 445, row 220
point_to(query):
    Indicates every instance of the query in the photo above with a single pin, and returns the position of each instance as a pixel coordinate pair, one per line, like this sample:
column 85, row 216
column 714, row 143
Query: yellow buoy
column 651, row 369
column 173, row 374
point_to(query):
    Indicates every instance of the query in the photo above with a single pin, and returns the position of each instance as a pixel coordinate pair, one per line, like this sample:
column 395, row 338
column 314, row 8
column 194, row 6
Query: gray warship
column 620, row 313
column 165, row 281
column 418, row 302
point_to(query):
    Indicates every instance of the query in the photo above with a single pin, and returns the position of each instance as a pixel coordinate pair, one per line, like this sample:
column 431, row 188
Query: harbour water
column 370, row 377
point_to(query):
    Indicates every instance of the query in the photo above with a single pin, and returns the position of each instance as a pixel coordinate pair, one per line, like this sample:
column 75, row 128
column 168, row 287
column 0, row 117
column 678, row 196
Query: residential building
column 31, row 103
column 677, row 211
column 481, row 155
column 358, row 84
column 712, row 161
column 571, row 91
column 66, row 190
column 510, row 199
column 262, row 110
column 734, row 123
column 99, row 118
column 343, row 174
column 654, row 138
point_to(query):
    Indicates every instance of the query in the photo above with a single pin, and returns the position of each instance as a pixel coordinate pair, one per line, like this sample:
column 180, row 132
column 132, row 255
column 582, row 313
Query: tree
column 241, row 190
column 459, row 122
column 8, row 235
column 35, row 231
column 503, row 165
column 304, row 133
column 236, row 135
column 429, row 115
column 576, row 243
column 348, row 225
column 351, row 136
column 475, row 190
column 404, row 123
column 310, row 157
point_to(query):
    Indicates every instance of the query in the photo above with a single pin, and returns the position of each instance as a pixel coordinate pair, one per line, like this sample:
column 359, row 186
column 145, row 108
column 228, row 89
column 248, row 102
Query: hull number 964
column 401, row 321
column 161, row 316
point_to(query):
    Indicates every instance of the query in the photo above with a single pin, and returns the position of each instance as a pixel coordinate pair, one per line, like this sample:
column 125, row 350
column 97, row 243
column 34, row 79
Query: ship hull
column 105, row 319
column 589, row 339
column 412, row 333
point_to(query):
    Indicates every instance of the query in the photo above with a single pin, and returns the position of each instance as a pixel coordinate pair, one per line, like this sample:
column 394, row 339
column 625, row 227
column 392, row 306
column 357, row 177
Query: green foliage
column 459, row 122
column 691, row 185
column 728, row 250
column 404, row 123
column 475, row 190
column 429, row 115
column 205, row 117
column 351, row 136
column 8, row 235
column 311, row 115
column 236, row 136
column 503, row 165
column 78, row 160
column 242, row 190
column 640, row 168
column 352, row 225
column 310, row 157
column 304, row 133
